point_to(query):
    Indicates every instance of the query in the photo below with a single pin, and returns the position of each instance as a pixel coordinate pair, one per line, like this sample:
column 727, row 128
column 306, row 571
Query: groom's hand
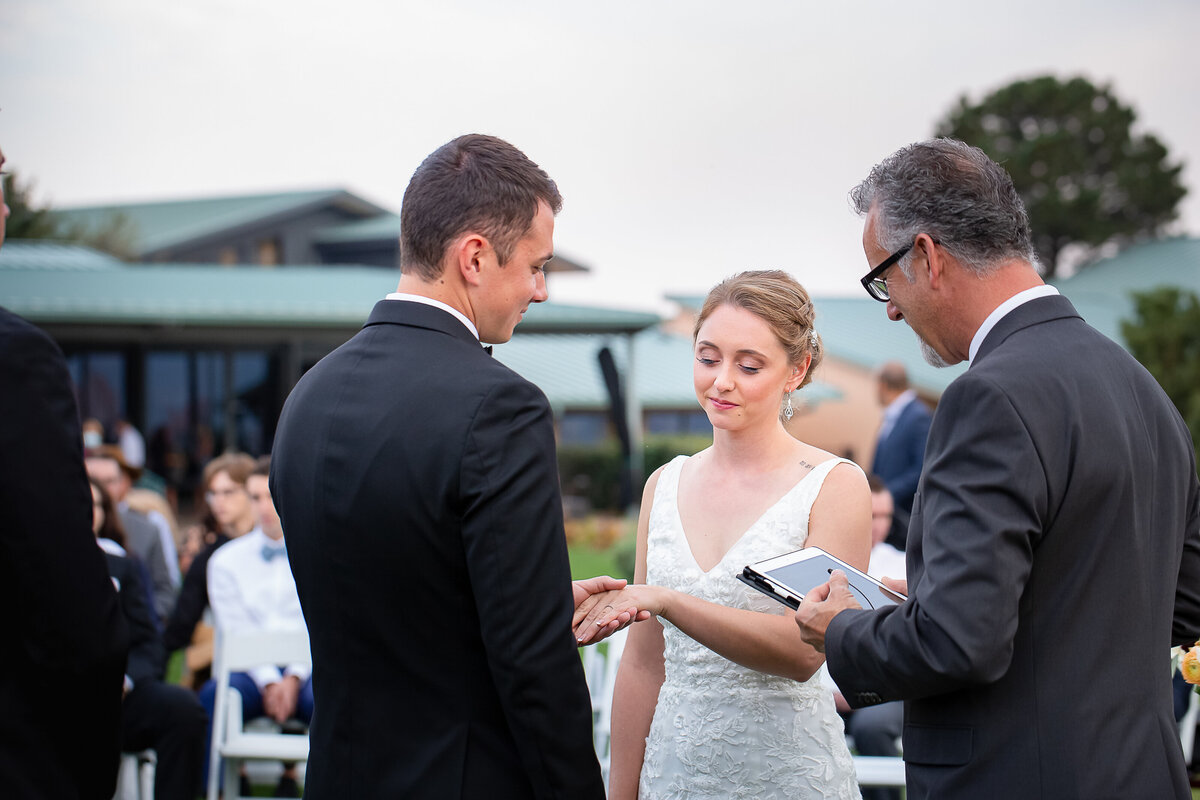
column 821, row 605
column 592, row 586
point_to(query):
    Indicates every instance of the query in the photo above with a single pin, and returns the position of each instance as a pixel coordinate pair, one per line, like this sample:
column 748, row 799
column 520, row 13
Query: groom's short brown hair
column 474, row 183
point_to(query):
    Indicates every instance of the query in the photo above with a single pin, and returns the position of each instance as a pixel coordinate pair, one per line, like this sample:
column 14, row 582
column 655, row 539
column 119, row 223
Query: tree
column 1164, row 336
column 25, row 221
column 116, row 236
column 1084, row 175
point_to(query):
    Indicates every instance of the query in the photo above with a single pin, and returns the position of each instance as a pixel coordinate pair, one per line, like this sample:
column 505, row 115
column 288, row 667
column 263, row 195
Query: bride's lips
column 723, row 405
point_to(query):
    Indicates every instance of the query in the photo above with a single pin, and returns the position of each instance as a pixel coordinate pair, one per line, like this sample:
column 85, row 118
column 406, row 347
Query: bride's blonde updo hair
column 777, row 299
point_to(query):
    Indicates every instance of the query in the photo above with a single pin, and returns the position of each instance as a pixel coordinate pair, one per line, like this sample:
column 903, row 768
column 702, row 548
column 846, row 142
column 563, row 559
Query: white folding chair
column 1187, row 726
column 231, row 743
column 135, row 781
column 600, row 662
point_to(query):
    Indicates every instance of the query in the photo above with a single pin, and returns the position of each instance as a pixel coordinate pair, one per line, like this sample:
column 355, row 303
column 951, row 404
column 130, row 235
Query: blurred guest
column 132, row 445
column 251, row 590
column 154, row 715
column 900, row 449
column 156, row 508
column 64, row 636
column 143, row 538
column 225, row 492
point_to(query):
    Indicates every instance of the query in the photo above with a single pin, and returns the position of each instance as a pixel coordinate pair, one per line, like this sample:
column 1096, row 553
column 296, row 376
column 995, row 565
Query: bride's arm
column 839, row 523
column 639, row 678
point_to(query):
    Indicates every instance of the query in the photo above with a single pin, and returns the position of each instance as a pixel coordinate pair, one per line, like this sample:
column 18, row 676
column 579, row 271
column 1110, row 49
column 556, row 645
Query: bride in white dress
column 716, row 696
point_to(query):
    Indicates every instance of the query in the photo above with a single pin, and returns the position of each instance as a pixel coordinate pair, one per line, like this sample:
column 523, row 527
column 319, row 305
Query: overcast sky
column 690, row 140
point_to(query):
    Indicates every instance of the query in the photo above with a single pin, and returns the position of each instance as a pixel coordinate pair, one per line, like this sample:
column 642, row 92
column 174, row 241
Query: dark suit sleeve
column 146, row 658
column 913, row 436
column 189, row 606
column 56, row 592
column 983, row 500
column 517, row 559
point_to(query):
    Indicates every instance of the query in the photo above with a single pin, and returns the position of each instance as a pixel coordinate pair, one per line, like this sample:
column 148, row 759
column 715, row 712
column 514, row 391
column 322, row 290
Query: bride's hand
column 606, row 613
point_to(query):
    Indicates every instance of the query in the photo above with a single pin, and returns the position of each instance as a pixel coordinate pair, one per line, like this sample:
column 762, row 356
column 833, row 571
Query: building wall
column 848, row 426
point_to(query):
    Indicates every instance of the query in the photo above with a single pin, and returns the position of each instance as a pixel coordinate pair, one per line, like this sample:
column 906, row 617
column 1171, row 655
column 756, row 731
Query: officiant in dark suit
column 1054, row 547
column 416, row 479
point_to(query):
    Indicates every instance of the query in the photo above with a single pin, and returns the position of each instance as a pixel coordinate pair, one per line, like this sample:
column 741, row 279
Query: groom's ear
column 468, row 254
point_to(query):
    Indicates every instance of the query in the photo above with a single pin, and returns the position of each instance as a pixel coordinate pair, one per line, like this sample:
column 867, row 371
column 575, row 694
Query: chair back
column 239, row 652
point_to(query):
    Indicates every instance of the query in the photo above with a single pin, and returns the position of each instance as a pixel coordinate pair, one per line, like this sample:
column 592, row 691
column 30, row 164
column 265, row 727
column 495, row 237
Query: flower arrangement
column 1189, row 664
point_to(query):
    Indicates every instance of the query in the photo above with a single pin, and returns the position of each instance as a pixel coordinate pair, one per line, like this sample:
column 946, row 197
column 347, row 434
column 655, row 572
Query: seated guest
column 158, row 510
column 155, row 715
column 106, row 464
column 251, row 589
column 225, row 492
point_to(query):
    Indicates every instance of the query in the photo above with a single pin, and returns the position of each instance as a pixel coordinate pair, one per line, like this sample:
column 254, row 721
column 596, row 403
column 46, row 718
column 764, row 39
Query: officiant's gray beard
column 930, row 355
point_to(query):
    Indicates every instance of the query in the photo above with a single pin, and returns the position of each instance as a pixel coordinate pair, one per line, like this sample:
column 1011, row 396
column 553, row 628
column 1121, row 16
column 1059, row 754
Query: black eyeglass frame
column 877, row 286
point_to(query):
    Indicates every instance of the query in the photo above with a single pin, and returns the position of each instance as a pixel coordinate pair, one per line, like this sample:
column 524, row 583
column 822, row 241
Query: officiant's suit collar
column 1043, row 309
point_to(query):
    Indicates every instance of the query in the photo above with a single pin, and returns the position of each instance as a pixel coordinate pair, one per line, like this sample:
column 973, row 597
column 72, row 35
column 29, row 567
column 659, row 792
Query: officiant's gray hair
column 472, row 184
column 777, row 299
column 953, row 192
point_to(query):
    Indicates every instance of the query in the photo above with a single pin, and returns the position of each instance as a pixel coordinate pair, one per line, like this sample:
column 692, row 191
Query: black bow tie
column 487, row 348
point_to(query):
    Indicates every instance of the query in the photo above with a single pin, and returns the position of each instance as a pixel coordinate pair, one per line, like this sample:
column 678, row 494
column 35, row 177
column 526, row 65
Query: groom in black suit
column 415, row 478
column 1054, row 547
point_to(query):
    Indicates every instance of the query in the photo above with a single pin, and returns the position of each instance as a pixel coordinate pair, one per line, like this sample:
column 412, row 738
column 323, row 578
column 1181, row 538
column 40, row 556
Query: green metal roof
column 1103, row 292
column 567, row 370
column 50, row 255
column 165, row 224
column 76, row 291
column 382, row 227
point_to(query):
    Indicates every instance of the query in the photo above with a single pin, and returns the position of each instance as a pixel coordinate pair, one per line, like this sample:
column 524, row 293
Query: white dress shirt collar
column 429, row 301
column 1002, row 310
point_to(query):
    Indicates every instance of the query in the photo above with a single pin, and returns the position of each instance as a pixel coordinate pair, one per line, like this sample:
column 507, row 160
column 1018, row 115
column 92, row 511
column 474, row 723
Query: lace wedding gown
column 721, row 730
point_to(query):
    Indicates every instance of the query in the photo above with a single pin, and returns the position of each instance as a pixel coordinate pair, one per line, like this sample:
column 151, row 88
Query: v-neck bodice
column 815, row 475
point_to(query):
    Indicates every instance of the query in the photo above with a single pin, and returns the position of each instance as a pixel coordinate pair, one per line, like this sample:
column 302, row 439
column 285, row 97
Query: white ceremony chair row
column 231, row 743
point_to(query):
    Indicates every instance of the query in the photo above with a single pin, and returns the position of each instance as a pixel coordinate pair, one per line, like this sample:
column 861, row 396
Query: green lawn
column 587, row 562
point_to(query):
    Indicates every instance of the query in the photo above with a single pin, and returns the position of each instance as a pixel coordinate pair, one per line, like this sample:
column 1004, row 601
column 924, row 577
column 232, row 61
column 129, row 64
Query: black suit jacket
column 146, row 657
column 64, row 639
column 1054, row 558
column 416, row 481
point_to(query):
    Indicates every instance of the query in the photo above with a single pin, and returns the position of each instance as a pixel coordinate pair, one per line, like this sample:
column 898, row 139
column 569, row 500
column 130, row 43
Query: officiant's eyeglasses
column 875, row 283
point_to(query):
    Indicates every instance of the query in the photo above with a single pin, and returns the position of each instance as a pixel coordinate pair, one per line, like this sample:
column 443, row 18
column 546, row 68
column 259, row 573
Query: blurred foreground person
column 65, row 639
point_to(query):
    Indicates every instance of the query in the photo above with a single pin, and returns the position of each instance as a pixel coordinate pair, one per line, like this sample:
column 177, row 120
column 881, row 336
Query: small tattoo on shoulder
column 806, row 465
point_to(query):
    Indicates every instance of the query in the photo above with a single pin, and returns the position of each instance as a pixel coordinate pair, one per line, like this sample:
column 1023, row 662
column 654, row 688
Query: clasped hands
column 605, row 605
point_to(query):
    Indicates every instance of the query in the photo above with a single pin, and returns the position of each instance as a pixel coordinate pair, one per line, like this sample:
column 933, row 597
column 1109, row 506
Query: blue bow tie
column 269, row 552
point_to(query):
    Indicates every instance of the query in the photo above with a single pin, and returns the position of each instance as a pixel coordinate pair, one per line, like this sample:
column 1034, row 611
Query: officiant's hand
column 608, row 613
column 821, row 605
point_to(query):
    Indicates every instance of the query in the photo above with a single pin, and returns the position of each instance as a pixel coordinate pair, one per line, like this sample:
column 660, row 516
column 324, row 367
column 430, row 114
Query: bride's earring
column 788, row 411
